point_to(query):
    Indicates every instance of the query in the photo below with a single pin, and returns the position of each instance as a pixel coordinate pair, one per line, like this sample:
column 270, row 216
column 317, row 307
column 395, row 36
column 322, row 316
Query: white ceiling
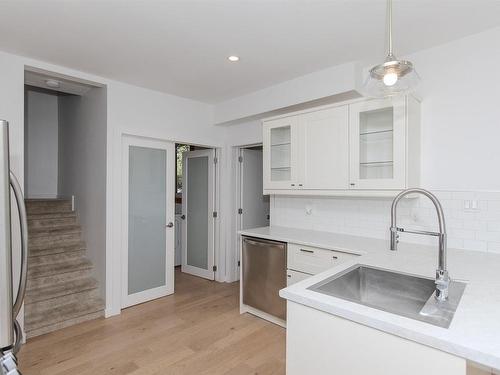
column 180, row 46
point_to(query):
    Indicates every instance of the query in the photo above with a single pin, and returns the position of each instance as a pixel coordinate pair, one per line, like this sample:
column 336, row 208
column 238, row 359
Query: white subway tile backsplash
column 494, row 205
column 494, row 247
column 475, row 245
column 488, row 236
column 493, row 226
column 473, row 229
column 465, row 234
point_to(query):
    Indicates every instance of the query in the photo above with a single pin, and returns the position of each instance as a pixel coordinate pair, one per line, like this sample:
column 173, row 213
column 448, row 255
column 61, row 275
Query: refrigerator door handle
column 23, row 221
column 18, row 333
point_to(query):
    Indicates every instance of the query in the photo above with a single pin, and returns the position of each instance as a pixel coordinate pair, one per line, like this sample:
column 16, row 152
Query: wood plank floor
column 198, row 330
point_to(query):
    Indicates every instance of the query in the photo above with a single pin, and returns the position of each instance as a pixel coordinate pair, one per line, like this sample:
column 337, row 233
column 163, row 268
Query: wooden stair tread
column 51, row 215
column 60, row 313
column 55, row 229
column 54, row 240
column 63, row 324
column 56, row 258
column 56, row 249
column 59, row 289
column 58, row 268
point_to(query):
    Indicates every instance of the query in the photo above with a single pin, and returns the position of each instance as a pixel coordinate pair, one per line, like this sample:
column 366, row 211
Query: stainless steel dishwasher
column 264, row 274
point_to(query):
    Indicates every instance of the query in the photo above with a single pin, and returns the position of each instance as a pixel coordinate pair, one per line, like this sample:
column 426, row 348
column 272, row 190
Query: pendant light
column 392, row 77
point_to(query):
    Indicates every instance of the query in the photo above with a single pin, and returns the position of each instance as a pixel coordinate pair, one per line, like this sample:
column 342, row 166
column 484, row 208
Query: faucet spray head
column 442, row 285
column 394, row 238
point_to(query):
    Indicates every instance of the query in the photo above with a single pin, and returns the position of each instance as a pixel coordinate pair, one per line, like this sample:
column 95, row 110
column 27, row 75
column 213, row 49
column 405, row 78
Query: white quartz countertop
column 474, row 333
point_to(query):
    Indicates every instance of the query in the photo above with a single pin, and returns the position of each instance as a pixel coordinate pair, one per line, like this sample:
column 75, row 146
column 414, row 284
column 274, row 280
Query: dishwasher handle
column 261, row 242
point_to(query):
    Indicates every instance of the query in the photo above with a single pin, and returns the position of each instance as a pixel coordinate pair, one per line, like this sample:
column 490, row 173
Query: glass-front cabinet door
column 377, row 144
column 280, row 150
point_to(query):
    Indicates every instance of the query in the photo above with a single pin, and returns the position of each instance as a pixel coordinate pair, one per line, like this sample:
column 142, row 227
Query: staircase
column 60, row 290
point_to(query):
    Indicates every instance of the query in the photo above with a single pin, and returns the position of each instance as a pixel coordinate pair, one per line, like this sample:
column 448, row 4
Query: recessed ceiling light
column 52, row 83
column 233, row 58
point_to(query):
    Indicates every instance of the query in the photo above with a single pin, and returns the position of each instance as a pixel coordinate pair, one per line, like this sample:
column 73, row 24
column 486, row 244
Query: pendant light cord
column 389, row 16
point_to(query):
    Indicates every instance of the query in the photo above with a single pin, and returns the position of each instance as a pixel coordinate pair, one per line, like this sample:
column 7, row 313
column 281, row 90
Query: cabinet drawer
column 313, row 260
column 293, row 277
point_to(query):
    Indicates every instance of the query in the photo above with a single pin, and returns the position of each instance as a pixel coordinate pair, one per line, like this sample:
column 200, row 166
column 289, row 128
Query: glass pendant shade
column 393, row 77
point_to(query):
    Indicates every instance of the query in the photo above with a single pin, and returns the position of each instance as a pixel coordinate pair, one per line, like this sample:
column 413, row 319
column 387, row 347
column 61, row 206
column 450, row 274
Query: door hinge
column 215, row 160
column 239, row 263
column 240, row 211
column 214, row 214
column 214, row 268
column 240, row 159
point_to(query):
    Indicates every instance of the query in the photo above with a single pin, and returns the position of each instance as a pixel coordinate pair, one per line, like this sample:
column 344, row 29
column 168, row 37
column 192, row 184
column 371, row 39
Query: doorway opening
column 65, row 189
column 196, row 210
column 253, row 206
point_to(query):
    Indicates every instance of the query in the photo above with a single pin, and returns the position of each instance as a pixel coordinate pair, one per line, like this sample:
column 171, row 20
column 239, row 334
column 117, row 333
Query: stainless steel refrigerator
column 10, row 305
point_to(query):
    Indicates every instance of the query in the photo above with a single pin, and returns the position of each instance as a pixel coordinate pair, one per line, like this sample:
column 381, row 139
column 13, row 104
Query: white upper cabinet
column 324, row 151
column 378, row 142
column 362, row 148
column 280, row 153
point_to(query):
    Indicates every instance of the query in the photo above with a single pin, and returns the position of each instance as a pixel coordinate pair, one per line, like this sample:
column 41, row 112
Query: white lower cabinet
column 293, row 277
column 305, row 261
column 313, row 260
column 323, row 344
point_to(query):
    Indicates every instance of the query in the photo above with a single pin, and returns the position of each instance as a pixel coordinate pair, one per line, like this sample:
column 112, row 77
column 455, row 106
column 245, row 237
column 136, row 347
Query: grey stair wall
column 61, row 290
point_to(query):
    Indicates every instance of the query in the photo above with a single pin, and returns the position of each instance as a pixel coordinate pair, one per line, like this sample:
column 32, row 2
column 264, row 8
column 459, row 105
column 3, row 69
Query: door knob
column 170, row 225
column 183, row 217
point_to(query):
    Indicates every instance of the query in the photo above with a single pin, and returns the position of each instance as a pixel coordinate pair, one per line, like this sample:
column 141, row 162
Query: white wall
column 82, row 169
column 42, row 144
column 460, row 113
column 324, row 83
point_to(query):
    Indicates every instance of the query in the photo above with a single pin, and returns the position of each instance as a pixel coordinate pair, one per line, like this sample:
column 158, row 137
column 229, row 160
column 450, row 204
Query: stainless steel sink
column 398, row 293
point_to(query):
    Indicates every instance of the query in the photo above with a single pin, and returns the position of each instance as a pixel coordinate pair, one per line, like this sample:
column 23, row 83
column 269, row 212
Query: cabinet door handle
column 307, row 251
column 334, row 257
column 293, row 184
column 288, row 275
column 300, row 184
column 352, row 184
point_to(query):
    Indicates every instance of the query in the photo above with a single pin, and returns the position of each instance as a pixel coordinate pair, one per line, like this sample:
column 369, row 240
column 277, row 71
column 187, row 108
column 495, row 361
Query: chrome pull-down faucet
column 442, row 277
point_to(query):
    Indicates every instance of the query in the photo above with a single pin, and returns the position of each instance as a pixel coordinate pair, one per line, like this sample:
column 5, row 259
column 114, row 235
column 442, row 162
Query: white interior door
column 254, row 205
column 198, row 201
column 147, row 221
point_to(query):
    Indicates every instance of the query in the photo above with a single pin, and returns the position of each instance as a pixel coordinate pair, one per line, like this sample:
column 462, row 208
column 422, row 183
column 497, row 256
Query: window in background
column 179, row 150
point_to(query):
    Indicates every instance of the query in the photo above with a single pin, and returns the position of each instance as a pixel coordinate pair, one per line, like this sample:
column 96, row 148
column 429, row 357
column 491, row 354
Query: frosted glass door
column 198, row 208
column 149, row 204
column 377, row 137
column 280, row 153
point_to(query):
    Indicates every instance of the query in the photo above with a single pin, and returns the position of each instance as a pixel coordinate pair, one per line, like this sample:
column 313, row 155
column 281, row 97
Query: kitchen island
column 325, row 333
